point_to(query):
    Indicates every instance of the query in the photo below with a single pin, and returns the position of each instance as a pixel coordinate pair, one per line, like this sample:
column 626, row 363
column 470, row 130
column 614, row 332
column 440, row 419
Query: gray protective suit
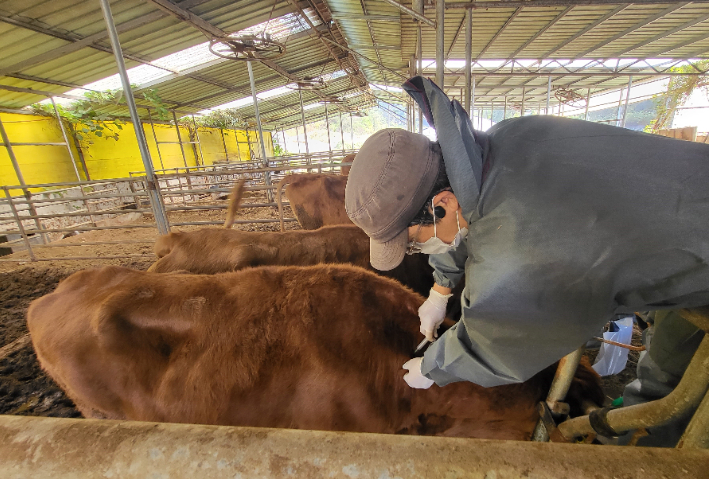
column 570, row 223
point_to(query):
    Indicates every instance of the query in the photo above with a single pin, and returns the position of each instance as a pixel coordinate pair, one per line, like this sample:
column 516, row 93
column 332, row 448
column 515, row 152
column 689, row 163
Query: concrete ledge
column 73, row 448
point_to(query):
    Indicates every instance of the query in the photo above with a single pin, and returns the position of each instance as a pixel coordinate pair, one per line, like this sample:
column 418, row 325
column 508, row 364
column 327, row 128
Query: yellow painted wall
column 107, row 158
column 38, row 164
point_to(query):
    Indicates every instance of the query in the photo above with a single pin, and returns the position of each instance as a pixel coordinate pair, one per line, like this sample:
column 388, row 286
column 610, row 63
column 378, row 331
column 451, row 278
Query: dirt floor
column 26, row 390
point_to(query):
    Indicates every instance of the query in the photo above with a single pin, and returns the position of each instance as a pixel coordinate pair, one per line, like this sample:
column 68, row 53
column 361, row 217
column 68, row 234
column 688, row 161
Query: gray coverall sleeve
column 449, row 267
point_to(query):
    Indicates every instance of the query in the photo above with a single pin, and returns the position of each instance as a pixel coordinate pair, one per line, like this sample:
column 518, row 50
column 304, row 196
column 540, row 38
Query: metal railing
column 67, row 209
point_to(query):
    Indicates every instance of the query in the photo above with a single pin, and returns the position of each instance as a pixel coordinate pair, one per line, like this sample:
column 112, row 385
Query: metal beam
column 554, row 3
column 456, row 35
column 690, row 23
column 374, row 18
column 596, row 23
column 412, row 13
column 156, row 203
column 77, row 42
column 440, row 13
column 469, row 40
column 682, row 44
column 541, row 31
column 500, row 31
column 632, row 28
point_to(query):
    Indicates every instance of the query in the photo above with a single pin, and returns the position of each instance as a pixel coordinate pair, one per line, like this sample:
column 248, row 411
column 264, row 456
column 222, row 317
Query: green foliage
column 680, row 87
column 228, row 119
column 86, row 119
column 278, row 151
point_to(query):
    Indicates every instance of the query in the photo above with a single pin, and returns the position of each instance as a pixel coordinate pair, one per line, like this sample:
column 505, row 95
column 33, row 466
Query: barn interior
column 262, row 89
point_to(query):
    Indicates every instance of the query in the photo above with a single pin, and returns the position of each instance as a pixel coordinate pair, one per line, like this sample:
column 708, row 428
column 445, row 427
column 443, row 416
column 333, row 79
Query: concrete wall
column 108, row 158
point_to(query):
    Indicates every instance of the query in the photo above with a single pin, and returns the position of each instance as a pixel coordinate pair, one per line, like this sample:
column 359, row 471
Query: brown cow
column 215, row 250
column 316, row 199
column 317, row 347
column 345, row 170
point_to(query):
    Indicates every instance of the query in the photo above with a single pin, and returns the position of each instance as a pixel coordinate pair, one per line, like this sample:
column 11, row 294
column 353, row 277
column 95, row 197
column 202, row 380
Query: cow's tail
column 282, row 184
column 235, row 200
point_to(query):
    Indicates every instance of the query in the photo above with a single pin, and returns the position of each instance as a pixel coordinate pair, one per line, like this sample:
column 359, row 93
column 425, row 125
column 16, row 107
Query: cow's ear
column 132, row 319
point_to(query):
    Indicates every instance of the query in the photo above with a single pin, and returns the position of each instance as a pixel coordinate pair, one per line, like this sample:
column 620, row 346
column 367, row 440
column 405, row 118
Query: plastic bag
column 612, row 359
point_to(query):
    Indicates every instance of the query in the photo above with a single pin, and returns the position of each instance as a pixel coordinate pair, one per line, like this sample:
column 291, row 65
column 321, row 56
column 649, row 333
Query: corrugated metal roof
column 54, row 46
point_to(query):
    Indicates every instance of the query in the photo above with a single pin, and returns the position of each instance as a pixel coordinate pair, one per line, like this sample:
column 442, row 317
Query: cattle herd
column 288, row 329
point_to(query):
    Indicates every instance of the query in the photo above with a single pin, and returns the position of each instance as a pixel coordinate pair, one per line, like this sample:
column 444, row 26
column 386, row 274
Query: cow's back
column 318, row 200
column 317, row 347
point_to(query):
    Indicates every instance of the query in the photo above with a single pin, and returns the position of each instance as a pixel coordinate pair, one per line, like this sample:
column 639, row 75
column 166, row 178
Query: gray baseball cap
column 389, row 182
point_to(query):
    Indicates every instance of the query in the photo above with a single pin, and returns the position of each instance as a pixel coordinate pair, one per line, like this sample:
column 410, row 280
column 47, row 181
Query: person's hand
column 414, row 377
column 432, row 313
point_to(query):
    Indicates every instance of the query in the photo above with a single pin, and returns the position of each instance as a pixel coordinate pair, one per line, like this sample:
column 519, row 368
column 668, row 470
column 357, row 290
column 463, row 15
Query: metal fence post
column 177, row 128
column 586, row 108
column 18, row 172
column 549, row 87
column 161, row 218
column 19, row 223
column 305, row 130
column 66, row 139
column 327, row 127
column 264, row 159
column 197, row 138
column 342, row 136
column 626, row 103
column 155, row 137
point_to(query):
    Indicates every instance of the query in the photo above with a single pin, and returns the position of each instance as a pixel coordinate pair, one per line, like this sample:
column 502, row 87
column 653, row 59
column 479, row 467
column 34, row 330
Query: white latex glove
column 414, row 377
column 432, row 313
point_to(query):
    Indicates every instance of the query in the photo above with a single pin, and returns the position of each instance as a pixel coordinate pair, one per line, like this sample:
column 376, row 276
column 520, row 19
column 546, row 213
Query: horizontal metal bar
column 237, row 222
column 18, row 200
column 76, row 258
column 571, row 74
column 63, row 448
column 69, row 184
column 551, row 3
column 34, row 144
column 177, row 143
column 85, row 213
column 220, row 207
column 89, row 243
column 93, row 228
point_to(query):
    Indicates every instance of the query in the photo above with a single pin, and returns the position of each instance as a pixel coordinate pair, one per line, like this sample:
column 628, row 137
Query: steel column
column 264, row 159
column 66, row 139
column 440, row 9
column 549, row 87
column 522, row 104
column 283, row 135
column 236, row 139
column 618, row 107
column 352, row 133
column 469, row 34
column 224, row 145
column 177, row 128
column 420, row 66
column 155, row 137
column 19, row 222
column 305, row 130
column 327, row 126
column 79, row 152
column 342, row 135
column 586, row 108
column 197, row 139
column 626, row 103
column 161, row 218
column 505, row 106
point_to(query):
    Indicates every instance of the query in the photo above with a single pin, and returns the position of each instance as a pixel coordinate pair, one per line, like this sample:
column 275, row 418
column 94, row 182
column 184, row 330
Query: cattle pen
column 124, row 122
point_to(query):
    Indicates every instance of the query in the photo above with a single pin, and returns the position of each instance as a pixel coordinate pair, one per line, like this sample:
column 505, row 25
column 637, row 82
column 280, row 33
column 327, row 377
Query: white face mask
column 435, row 245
